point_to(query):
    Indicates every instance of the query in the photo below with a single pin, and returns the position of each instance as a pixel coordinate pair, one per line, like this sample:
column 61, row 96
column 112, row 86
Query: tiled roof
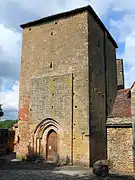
column 122, row 105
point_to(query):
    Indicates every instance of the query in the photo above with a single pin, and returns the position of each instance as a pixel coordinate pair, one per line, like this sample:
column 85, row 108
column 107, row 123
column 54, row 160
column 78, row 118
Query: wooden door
column 52, row 146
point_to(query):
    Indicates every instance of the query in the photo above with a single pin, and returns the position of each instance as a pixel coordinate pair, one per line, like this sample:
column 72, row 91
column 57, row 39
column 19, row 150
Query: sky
column 117, row 15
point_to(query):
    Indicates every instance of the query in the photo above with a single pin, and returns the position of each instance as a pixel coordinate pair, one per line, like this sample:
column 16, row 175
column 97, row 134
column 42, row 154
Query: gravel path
column 54, row 175
column 38, row 171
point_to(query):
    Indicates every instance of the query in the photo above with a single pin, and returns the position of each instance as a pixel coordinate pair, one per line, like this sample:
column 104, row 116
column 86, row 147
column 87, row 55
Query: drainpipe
column 133, row 130
column 105, row 70
column 106, row 88
column 72, row 119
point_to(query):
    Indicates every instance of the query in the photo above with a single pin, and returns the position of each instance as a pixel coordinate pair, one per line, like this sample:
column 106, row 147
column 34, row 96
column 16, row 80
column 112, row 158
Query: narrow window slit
column 51, row 65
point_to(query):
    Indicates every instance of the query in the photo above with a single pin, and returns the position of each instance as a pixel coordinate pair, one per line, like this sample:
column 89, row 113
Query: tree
column 1, row 112
column 8, row 124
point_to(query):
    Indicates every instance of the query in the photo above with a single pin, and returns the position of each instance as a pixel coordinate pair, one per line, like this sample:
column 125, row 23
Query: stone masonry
column 120, row 74
column 120, row 131
column 68, row 84
column 120, row 144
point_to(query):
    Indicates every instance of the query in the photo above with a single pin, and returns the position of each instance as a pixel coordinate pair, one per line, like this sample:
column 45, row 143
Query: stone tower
column 120, row 74
column 68, row 83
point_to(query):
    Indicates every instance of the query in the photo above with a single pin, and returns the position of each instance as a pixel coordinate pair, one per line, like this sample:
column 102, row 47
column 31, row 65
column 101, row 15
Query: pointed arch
column 46, row 121
column 41, row 132
column 44, row 125
column 51, row 145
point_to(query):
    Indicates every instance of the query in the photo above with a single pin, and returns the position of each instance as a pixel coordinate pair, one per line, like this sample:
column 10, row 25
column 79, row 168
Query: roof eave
column 55, row 16
column 124, row 125
column 68, row 13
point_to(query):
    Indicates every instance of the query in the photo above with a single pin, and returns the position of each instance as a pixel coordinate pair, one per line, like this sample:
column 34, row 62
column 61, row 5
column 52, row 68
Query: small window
column 51, row 65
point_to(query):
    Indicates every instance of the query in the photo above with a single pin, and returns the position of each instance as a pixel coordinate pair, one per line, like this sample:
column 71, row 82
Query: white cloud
column 9, row 99
column 125, row 30
column 33, row 9
column 9, row 70
column 123, row 5
column 44, row 8
column 130, row 77
column 129, row 58
column 129, row 54
column 124, row 26
column 9, row 42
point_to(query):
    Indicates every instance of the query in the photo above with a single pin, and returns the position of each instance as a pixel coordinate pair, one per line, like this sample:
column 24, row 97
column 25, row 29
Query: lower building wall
column 3, row 141
column 22, row 142
column 59, row 102
column 120, row 148
column 6, row 141
column 37, row 141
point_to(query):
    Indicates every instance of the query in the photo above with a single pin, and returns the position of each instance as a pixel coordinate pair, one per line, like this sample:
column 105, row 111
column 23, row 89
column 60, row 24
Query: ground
column 13, row 170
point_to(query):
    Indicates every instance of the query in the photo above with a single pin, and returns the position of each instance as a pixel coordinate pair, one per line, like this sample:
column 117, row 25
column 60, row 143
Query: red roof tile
column 122, row 105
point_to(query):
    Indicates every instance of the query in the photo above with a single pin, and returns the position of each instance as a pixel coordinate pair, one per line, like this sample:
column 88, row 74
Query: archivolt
column 46, row 124
column 42, row 130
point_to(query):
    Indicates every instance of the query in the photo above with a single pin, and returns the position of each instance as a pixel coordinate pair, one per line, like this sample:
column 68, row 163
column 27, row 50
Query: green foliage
column 7, row 124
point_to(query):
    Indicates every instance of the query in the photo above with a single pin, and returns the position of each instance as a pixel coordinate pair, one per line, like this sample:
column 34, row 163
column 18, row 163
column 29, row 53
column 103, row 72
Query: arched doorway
column 51, row 146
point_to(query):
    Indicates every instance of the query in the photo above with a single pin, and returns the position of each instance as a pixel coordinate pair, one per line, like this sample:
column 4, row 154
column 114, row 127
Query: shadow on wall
column 11, row 139
column 134, row 151
column 6, row 141
column 32, row 156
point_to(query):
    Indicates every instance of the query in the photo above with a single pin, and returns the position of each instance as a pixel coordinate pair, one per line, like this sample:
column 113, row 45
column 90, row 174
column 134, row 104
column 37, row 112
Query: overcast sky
column 117, row 15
